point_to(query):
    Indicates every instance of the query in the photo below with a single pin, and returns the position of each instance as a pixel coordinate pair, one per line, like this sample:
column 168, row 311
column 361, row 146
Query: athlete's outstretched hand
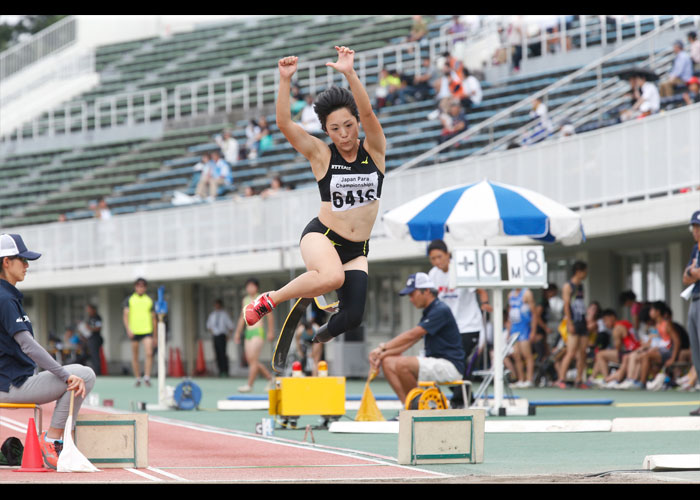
column 288, row 66
column 346, row 59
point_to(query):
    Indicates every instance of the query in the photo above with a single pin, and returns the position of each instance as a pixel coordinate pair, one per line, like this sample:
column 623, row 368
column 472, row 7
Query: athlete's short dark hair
column 437, row 245
column 332, row 99
column 579, row 265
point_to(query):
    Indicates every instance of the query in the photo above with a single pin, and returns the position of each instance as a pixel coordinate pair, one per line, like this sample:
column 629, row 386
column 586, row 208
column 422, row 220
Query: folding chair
column 38, row 413
column 489, row 374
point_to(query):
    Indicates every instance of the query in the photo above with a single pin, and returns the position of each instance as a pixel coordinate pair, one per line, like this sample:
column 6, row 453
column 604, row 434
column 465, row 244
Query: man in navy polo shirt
column 691, row 276
column 21, row 354
column 444, row 356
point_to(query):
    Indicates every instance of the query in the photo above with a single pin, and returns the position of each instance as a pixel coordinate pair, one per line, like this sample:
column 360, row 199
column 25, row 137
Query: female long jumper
column 350, row 173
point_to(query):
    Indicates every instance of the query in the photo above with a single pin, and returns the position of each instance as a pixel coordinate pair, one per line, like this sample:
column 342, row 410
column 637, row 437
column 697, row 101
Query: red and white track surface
column 182, row 452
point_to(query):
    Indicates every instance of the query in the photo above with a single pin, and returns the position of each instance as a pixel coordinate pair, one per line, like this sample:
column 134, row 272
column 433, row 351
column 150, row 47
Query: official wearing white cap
column 21, row 354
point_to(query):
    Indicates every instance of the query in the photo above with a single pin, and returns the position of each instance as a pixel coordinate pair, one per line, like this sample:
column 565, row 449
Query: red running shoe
column 258, row 308
column 50, row 450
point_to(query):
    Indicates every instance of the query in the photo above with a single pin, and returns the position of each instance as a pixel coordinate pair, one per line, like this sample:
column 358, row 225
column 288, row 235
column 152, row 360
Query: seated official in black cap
column 444, row 356
column 21, row 354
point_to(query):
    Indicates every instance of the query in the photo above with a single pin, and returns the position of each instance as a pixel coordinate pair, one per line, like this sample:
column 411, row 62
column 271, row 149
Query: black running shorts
column 347, row 250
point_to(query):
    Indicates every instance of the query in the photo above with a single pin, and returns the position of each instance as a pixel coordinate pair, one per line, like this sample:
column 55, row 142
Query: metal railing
column 244, row 92
column 636, row 160
column 591, row 30
column 524, row 105
column 46, row 42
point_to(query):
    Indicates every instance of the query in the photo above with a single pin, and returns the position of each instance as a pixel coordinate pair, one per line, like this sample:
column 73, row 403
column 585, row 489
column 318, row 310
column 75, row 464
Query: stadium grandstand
column 119, row 111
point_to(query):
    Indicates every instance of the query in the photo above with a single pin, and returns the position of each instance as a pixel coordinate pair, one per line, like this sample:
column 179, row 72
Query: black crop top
column 351, row 185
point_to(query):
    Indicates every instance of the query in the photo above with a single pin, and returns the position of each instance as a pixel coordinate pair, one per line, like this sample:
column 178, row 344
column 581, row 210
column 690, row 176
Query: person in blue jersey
column 691, row 276
column 349, row 172
column 21, row 355
column 521, row 305
column 572, row 294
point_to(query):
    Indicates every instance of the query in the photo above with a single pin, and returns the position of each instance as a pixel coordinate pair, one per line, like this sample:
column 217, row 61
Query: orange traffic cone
column 201, row 368
column 103, row 362
column 178, row 370
column 32, row 460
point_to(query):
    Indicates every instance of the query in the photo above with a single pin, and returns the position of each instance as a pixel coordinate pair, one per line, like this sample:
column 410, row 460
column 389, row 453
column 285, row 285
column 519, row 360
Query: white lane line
column 167, row 474
column 13, row 424
column 355, row 454
column 143, row 474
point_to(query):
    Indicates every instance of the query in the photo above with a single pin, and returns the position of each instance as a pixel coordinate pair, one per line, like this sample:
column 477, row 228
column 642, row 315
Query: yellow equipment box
column 295, row 396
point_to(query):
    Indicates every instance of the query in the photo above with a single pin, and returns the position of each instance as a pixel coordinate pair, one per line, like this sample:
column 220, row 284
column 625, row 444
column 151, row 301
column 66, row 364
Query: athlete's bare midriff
column 353, row 225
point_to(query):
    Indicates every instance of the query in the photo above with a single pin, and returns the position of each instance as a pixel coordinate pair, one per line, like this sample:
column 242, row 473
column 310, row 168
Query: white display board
column 489, row 267
column 497, row 268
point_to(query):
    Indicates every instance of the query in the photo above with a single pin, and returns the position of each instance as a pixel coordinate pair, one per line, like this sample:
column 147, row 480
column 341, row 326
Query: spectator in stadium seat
column 514, row 39
column 276, row 187
column 265, row 141
column 308, row 117
column 448, row 87
column 217, row 175
column 681, row 71
column 252, row 133
column 694, row 50
column 389, row 86
column 648, row 100
column 692, row 95
column 473, row 94
column 199, row 169
column 297, row 101
column 454, row 121
column 419, row 30
column 229, row 146
column 422, row 84
column 458, row 29
column 543, row 126
column 102, row 210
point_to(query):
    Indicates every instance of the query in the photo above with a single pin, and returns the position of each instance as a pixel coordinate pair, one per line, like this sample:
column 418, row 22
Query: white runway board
column 672, row 462
column 508, row 425
column 228, row 404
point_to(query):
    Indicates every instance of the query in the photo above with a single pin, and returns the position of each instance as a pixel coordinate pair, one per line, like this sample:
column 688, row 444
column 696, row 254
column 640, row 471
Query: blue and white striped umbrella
column 477, row 212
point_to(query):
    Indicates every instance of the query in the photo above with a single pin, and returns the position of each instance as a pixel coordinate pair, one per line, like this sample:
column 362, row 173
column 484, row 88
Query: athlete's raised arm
column 306, row 144
column 375, row 139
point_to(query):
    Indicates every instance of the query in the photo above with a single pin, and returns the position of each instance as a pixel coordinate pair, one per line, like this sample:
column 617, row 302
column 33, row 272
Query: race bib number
column 514, row 315
column 353, row 190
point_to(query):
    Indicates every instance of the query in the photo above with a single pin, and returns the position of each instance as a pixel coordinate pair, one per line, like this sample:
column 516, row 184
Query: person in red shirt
column 623, row 341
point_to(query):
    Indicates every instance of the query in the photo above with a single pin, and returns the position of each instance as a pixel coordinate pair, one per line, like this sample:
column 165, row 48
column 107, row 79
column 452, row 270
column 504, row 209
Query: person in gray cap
column 691, row 276
column 444, row 356
column 21, row 354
